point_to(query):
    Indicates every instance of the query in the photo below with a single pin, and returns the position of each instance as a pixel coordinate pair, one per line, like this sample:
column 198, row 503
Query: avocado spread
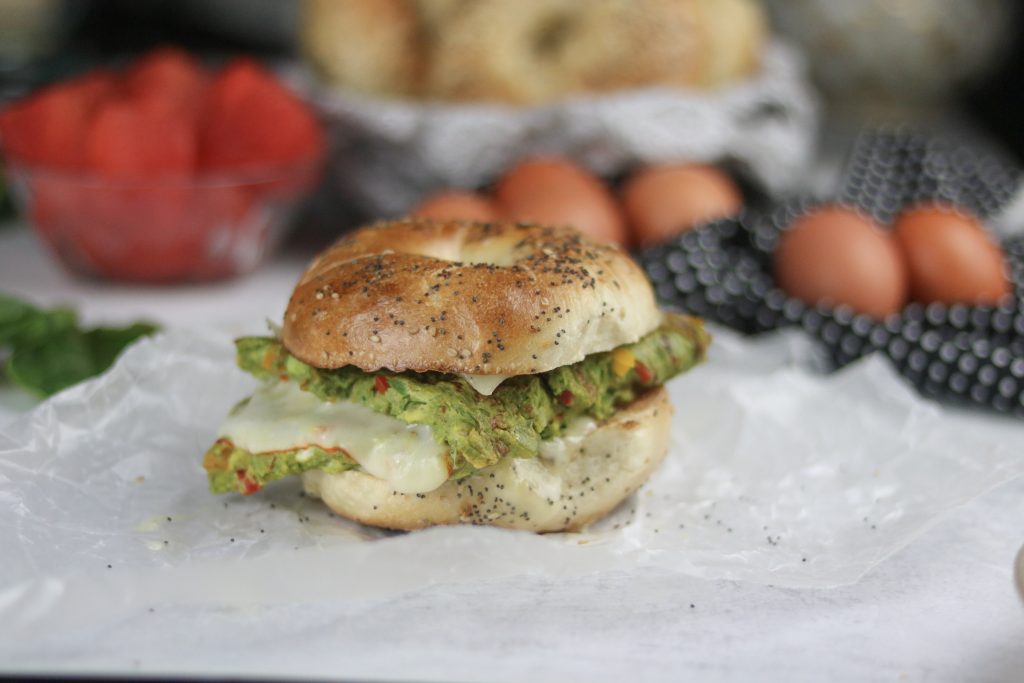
column 478, row 430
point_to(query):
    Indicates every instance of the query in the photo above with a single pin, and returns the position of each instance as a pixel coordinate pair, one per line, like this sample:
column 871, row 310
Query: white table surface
column 942, row 609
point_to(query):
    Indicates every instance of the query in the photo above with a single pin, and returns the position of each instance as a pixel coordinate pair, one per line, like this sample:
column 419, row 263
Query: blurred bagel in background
column 371, row 46
column 530, row 51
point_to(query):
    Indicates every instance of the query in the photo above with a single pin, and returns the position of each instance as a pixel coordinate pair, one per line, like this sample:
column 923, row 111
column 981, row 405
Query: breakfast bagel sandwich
column 443, row 372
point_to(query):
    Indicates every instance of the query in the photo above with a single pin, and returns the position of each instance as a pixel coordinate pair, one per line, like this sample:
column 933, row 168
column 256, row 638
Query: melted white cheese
column 546, row 474
column 485, row 384
column 283, row 417
column 560, row 450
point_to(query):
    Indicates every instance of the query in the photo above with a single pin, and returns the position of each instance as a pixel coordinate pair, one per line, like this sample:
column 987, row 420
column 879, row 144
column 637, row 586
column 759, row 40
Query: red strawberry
column 48, row 128
column 168, row 79
column 251, row 120
column 125, row 138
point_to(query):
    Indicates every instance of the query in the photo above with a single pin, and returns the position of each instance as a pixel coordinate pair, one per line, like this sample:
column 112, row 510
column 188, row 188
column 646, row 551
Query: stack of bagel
column 530, row 52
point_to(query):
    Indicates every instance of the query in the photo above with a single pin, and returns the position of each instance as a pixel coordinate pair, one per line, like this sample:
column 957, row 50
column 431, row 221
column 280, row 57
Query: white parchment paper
column 777, row 475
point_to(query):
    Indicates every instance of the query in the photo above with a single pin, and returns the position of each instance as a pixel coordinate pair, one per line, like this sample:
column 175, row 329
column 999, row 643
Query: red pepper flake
column 643, row 372
column 566, row 398
column 249, row 487
column 380, row 384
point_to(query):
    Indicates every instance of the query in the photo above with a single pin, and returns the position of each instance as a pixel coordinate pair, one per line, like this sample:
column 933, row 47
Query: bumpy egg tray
column 963, row 354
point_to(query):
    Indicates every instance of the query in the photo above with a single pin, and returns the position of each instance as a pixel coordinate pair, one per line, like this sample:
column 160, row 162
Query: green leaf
column 49, row 352
column 12, row 309
column 70, row 356
column 22, row 323
column 52, row 364
column 106, row 343
column 15, row 315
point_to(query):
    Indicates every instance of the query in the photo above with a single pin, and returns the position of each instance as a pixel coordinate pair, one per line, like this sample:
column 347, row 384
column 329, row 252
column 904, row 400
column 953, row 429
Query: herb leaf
column 106, row 343
column 48, row 366
column 22, row 323
column 50, row 352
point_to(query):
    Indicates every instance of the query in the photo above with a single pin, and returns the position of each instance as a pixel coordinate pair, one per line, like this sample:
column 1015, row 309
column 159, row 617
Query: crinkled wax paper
column 776, row 475
column 396, row 151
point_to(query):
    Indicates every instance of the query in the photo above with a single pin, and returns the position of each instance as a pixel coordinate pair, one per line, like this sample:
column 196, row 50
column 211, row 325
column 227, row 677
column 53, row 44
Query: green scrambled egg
column 477, row 430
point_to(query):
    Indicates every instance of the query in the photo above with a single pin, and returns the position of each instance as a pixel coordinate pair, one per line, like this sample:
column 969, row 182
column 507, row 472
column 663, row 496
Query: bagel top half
column 466, row 298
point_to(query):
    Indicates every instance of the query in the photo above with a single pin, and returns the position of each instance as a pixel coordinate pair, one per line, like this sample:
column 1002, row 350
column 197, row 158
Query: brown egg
column 457, row 204
column 663, row 201
column 834, row 255
column 556, row 191
column 950, row 256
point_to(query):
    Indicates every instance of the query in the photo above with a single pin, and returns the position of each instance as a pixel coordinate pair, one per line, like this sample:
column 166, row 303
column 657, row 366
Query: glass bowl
column 163, row 228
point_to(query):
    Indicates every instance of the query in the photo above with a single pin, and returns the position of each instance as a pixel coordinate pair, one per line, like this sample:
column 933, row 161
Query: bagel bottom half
column 584, row 481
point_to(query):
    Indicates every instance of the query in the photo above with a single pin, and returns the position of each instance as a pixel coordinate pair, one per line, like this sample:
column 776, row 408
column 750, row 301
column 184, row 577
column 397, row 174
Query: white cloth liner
column 393, row 152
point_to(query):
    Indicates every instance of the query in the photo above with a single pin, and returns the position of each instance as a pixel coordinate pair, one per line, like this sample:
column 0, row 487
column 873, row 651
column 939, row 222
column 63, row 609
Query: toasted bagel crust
column 536, row 494
column 461, row 297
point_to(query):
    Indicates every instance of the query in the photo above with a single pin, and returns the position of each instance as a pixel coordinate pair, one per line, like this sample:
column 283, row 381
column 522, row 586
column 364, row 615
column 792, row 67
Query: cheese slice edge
column 282, row 416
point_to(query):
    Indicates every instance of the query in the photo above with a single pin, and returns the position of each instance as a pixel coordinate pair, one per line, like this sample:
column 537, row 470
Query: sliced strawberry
column 144, row 233
column 56, row 211
column 129, row 140
column 167, row 79
column 48, row 127
column 251, row 120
